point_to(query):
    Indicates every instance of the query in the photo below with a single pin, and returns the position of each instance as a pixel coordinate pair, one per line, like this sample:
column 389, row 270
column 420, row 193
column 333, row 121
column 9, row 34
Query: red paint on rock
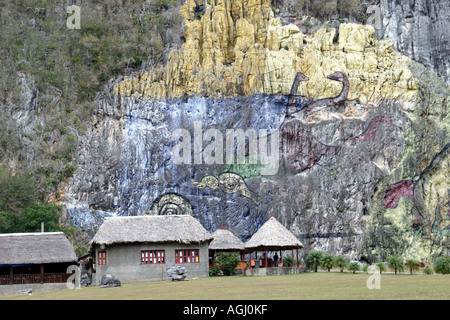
column 403, row 189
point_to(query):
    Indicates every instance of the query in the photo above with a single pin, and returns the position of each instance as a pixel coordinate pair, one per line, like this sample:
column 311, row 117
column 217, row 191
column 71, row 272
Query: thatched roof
column 157, row 229
column 225, row 240
column 273, row 236
column 35, row 248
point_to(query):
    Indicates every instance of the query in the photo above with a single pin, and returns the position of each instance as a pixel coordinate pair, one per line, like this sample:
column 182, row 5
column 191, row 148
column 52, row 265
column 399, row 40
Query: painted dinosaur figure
column 228, row 182
column 299, row 149
column 291, row 106
column 303, row 113
column 369, row 134
column 430, row 194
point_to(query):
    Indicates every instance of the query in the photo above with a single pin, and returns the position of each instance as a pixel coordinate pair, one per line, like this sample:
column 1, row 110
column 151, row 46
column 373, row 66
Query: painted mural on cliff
column 430, row 195
column 346, row 106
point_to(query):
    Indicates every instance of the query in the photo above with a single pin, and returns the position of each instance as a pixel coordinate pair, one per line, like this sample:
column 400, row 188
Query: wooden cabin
column 35, row 258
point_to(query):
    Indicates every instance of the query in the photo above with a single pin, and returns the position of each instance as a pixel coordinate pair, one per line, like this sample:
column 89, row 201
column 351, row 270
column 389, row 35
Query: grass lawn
column 322, row 285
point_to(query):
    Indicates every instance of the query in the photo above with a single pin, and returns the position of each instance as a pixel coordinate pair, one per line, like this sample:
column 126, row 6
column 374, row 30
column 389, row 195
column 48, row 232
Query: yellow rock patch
column 239, row 48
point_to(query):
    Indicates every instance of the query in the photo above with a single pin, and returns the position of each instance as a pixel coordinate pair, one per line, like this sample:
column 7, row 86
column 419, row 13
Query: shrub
column 428, row 271
column 442, row 265
column 214, row 271
column 313, row 259
column 227, row 262
column 287, row 261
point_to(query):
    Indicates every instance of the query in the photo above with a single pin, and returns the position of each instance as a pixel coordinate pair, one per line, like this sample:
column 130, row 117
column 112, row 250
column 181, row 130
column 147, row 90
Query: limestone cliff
column 235, row 71
column 419, row 29
column 239, row 48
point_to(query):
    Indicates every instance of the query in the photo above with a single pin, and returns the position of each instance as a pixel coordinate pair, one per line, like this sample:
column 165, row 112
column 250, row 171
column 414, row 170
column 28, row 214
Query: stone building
column 142, row 248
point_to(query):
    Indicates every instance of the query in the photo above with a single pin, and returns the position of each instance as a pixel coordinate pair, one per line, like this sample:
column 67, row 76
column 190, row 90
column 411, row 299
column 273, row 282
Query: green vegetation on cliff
column 55, row 73
column 52, row 74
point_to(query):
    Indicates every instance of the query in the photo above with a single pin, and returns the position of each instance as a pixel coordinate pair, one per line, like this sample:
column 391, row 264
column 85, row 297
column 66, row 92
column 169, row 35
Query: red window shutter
column 152, row 257
column 187, row 256
column 102, row 258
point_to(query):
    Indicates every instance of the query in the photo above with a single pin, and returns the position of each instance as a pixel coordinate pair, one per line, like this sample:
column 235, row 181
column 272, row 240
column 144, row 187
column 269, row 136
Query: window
column 187, row 256
column 152, row 257
column 102, row 258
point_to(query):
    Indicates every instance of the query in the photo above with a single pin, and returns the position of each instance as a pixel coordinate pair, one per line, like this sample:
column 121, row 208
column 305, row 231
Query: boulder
column 85, row 281
column 177, row 273
column 108, row 280
column 25, row 291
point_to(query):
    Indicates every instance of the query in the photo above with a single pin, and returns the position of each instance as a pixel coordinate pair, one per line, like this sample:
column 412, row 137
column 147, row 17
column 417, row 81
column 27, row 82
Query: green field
column 315, row 286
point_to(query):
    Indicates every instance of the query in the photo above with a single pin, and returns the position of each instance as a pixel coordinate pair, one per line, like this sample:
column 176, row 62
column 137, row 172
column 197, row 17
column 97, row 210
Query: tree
column 341, row 262
column 304, row 5
column 396, row 263
column 347, row 7
column 34, row 214
column 353, row 266
column 313, row 259
column 365, row 268
column 330, row 8
column 442, row 265
column 16, row 192
column 327, row 261
column 381, row 266
column 412, row 265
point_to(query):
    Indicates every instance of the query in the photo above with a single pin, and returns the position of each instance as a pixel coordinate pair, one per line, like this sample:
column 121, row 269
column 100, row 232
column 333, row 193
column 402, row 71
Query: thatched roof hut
column 35, row 248
column 225, row 240
column 151, row 229
column 273, row 236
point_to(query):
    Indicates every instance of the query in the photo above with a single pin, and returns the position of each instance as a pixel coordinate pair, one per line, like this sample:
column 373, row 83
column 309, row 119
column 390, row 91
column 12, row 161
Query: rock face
column 238, row 48
column 419, row 29
column 331, row 185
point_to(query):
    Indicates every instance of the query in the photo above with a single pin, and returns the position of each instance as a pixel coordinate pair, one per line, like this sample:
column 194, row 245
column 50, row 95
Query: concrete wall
column 124, row 261
column 273, row 271
column 14, row 288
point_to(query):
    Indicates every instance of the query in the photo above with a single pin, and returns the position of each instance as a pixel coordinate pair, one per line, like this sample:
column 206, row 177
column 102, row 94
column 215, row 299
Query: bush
column 227, row 262
column 428, row 271
column 287, row 261
column 214, row 271
column 313, row 259
column 442, row 265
